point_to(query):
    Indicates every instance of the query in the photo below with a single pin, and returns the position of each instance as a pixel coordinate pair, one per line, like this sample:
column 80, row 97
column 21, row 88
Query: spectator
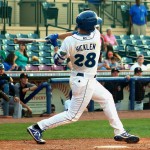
column 139, row 63
column 9, row 63
column 94, row 5
column 138, row 18
column 139, row 90
column 21, row 58
column 21, row 89
column 5, row 87
column 105, row 65
column 114, row 63
column 110, row 38
column 116, row 88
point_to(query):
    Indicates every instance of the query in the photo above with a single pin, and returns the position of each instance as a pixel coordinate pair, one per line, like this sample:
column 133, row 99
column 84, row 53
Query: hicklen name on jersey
column 90, row 46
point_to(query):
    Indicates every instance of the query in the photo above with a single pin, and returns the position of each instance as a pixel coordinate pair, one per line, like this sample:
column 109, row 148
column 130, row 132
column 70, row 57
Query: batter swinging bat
column 27, row 40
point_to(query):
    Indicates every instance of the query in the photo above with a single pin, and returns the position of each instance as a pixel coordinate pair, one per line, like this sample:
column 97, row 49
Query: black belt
column 82, row 75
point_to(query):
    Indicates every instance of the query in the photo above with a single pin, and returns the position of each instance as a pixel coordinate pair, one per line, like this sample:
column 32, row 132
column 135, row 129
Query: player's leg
column 82, row 90
column 105, row 99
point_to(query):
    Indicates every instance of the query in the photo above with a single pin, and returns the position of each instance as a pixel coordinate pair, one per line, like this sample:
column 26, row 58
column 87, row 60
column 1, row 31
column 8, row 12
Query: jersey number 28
column 90, row 60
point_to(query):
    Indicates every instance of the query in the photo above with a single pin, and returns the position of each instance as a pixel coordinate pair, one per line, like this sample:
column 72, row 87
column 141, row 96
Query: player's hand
column 25, row 90
column 52, row 39
column 128, row 77
column 16, row 99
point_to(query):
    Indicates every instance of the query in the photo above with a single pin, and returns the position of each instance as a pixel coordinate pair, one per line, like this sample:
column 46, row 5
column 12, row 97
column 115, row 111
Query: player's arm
column 53, row 37
column 17, row 99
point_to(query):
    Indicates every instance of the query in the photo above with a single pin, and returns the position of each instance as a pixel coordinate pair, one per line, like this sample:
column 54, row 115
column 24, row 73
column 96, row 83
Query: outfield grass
column 80, row 129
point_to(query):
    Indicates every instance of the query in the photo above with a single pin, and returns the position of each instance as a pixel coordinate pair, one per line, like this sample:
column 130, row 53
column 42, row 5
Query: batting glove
column 52, row 39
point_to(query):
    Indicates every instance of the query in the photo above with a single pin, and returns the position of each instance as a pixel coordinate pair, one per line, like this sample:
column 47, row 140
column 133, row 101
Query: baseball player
column 83, row 49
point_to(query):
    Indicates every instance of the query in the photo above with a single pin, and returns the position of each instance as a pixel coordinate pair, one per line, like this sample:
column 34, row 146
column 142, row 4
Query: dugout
column 61, row 89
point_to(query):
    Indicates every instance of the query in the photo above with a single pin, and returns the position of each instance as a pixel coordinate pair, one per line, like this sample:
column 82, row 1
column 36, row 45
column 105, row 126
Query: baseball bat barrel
column 27, row 40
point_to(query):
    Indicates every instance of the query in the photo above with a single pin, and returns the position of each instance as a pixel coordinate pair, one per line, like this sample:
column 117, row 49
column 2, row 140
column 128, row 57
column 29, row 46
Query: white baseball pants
column 83, row 90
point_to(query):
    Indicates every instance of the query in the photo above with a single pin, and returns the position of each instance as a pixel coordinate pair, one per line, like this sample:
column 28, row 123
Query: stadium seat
column 2, row 36
column 127, row 41
column 9, row 42
column 46, row 48
column 33, row 36
column 30, row 67
column 8, row 48
column 124, row 37
column 126, row 60
column 1, row 43
column 116, row 48
column 119, row 41
column 144, row 37
column 58, row 68
column 10, row 36
column 20, row 35
column 49, row 12
column 117, row 37
column 46, row 61
column 82, row 7
column 137, row 42
column 31, row 47
column 135, row 37
column 32, row 53
column 146, row 42
column 44, row 68
column 131, row 50
column 44, row 54
column 139, row 53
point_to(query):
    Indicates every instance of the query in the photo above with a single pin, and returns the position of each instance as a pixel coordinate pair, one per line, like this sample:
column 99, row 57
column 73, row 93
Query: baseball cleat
column 36, row 134
column 127, row 138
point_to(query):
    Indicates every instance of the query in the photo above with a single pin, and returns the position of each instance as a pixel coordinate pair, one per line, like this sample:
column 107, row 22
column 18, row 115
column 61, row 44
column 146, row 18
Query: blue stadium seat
column 137, row 42
column 144, row 37
column 32, row 53
column 135, row 37
column 126, row 60
column 116, row 48
column 10, row 36
column 131, row 50
column 2, row 36
column 9, row 42
column 31, row 47
column 46, row 61
column 33, row 36
column 20, row 35
column 44, row 54
column 146, row 42
column 124, row 37
column 8, row 48
column 117, row 37
column 127, row 41
column 46, row 48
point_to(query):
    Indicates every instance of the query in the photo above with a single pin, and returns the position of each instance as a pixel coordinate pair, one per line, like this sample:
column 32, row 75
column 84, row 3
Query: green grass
column 80, row 129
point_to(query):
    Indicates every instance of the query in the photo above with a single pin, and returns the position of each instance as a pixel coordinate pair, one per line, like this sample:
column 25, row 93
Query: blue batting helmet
column 99, row 20
column 87, row 20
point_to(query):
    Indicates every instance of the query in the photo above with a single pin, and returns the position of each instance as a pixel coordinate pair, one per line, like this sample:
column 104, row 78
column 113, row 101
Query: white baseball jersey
column 84, row 51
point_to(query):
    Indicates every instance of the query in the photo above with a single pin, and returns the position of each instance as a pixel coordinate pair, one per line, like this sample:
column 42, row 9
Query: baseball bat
column 27, row 40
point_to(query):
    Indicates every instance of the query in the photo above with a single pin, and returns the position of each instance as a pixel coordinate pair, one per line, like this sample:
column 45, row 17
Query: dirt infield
column 79, row 144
